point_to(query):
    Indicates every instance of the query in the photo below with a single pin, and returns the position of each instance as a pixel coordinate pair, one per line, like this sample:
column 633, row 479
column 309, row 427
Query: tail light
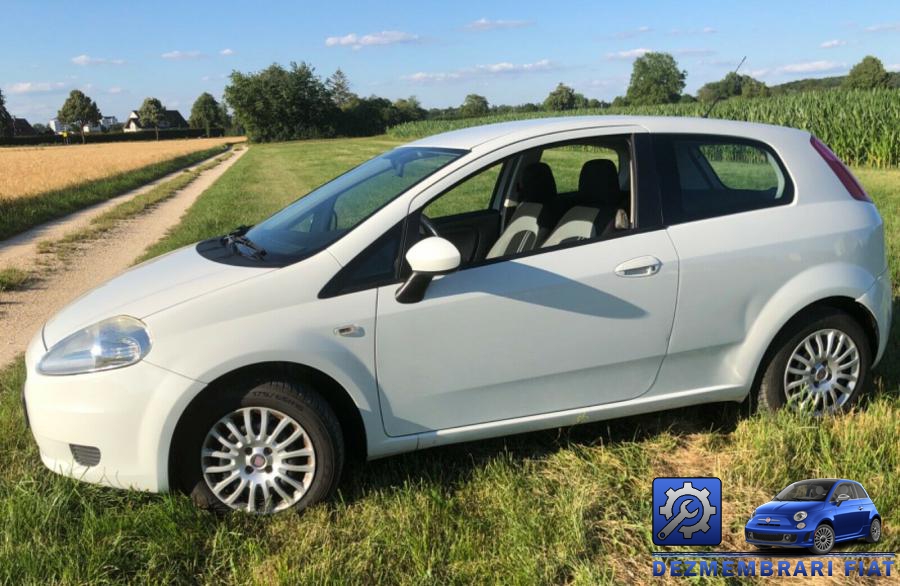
column 840, row 169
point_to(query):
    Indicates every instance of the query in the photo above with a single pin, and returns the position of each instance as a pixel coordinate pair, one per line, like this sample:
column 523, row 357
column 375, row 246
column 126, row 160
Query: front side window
column 324, row 215
column 709, row 176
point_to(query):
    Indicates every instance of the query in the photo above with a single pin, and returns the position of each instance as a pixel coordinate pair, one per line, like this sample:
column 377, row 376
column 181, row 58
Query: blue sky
column 511, row 52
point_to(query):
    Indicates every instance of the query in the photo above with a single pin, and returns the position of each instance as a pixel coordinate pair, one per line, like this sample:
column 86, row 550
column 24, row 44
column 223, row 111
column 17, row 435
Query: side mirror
column 842, row 497
column 427, row 258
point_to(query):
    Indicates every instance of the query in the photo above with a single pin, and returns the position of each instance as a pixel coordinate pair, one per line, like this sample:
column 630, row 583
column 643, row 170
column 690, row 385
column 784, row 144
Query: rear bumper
column 879, row 301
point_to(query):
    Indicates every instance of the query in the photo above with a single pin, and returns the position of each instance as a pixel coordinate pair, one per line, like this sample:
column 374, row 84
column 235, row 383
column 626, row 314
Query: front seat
column 525, row 229
column 599, row 198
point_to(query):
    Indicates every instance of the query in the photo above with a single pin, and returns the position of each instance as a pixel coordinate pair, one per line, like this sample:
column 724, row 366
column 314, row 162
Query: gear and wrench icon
column 674, row 519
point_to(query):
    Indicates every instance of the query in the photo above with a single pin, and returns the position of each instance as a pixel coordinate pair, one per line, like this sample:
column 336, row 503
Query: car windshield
column 325, row 214
column 807, row 490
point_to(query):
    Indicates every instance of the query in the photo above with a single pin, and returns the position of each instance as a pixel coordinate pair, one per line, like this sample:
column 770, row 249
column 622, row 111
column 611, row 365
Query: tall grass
column 861, row 126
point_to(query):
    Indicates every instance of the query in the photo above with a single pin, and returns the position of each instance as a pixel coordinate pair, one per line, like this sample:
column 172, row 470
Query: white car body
column 541, row 341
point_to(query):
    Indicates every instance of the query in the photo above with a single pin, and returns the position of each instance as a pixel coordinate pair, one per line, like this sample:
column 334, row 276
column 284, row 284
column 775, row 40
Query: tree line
column 289, row 103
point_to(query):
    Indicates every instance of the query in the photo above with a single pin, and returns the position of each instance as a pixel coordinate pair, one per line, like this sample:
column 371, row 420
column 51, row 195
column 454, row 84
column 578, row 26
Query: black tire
column 770, row 394
column 295, row 400
column 820, row 550
column 875, row 530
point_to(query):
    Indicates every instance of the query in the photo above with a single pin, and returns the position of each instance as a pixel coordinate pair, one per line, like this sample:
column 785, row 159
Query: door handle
column 860, row 508
column 642, row 266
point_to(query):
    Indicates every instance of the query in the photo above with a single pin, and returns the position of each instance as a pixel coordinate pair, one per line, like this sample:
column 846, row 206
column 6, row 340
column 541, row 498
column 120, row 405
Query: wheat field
column 27, row 171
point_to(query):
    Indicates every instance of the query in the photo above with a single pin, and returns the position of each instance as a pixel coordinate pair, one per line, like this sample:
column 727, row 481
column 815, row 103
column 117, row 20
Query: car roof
column 508, row 132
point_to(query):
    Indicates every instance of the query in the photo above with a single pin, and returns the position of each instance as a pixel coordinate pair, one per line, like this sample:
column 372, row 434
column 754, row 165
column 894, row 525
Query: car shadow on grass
column 454, row 465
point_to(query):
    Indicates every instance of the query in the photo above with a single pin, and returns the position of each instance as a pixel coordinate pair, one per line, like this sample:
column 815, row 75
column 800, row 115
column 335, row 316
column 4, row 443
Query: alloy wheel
column 258, row 460
column 824, row 538
column 822, row 372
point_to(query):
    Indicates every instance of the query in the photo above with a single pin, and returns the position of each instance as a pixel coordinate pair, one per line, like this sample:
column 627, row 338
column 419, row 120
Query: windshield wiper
column 237, row 237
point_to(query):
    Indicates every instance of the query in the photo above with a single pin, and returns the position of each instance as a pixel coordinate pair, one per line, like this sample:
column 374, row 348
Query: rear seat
column 594, row 213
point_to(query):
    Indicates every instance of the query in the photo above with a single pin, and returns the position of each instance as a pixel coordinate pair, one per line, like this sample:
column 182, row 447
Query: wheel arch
column 338, row 398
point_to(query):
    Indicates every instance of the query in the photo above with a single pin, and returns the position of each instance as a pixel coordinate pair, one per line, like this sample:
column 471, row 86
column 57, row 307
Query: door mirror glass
column 842, row 497
column 427, row 258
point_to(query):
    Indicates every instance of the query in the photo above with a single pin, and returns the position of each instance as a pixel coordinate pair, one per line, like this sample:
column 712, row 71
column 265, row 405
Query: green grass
column 19, row 214
column 12, row 278
column 561, row 506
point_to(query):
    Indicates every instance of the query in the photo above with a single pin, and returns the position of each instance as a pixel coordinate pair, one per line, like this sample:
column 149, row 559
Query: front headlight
column 799, row 516
column 112, row 343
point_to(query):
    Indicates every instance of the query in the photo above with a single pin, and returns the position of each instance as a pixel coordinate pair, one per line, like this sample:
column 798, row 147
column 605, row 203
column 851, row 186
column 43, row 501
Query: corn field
column 861, row 126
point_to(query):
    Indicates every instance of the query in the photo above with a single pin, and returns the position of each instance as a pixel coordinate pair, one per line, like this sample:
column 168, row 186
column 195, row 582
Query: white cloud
column 181, row 55
column 227, row 52
column 884, row 27
column 34, row 87
column 114, row 90
column 373, row 39
column 486, row 24
column 893, row 67
column 634, row 32
column 88, row 60
column 628, row 55
column 490, row 70
column 692, row 52
column 833, row 43
column 811, row 67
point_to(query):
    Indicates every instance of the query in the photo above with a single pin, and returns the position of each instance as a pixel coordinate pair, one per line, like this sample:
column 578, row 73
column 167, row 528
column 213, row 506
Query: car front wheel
column 823, row 539
column 261, row 448
column 819, row 365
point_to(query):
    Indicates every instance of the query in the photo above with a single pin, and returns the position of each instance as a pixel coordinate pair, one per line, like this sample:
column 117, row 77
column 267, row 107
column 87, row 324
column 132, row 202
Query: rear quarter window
column 710, row 176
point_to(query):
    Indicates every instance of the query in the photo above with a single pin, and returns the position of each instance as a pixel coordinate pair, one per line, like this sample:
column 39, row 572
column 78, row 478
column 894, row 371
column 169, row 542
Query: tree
column 732, row 85
column 282, row 104
column 206, row 113
column 6, row 123
column 339, row 87
column 41, row 129
column 655, row 79
column 868, row 74
column 80, row 111
column 474, row 106
column 151, row 114
column 409, row 108
column 562, row 98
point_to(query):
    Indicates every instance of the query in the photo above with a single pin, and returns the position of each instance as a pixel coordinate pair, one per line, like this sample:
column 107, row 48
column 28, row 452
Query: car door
column 566, row 328
column 848, row 515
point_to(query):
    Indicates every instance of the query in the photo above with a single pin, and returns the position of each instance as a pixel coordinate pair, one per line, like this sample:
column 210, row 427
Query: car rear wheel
column 819, row 365
column 261, row 448
column 874, row 531
column 823, row 540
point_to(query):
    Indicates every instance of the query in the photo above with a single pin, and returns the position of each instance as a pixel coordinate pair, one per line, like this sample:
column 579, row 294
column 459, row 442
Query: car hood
column 147, row 289
column 788, row 507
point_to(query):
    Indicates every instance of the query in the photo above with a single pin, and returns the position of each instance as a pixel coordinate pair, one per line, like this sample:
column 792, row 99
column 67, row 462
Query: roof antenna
column 719, row 96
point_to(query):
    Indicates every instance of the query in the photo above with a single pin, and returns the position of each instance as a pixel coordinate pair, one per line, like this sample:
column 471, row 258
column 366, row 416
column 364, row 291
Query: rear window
column 710, row 176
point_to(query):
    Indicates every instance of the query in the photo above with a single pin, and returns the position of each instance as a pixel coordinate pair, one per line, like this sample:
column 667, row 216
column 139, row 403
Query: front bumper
column 128, row 415
column 784, row 535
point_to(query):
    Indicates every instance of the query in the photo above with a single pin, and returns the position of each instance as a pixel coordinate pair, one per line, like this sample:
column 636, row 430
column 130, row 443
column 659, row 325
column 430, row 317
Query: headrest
column 599, row 182
column 537, row 184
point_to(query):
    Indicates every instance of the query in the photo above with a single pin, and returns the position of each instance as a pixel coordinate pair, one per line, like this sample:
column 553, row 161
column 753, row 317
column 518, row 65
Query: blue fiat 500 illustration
column 815, row 514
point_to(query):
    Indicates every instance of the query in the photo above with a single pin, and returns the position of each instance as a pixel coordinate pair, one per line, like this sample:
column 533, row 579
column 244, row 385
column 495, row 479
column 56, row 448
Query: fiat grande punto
column 488, row 281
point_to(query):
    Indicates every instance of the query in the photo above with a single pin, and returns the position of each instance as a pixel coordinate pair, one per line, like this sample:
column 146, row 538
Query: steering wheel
column 426, row 226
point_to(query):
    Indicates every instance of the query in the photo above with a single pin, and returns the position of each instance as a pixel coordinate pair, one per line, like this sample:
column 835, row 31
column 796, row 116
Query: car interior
column 527, row 211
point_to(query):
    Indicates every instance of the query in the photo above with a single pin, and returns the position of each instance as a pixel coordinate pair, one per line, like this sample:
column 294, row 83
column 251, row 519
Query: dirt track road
column 22, row 313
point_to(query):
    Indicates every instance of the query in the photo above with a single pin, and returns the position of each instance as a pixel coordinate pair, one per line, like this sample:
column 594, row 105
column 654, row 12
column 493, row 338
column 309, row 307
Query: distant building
column 21, row 127
column 57, row 127
column 170, row 119
column 106, row 123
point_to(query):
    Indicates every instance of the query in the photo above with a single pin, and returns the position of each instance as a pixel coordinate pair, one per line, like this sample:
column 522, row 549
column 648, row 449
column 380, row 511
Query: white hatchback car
column 488, row 281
